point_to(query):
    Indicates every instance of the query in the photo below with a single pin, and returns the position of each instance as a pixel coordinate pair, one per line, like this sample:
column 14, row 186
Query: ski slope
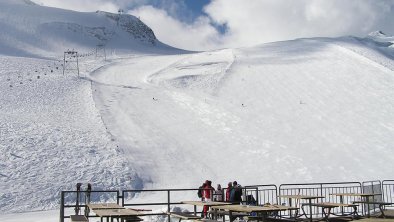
column 308, row 110
column 151, row 116
column 297, row 111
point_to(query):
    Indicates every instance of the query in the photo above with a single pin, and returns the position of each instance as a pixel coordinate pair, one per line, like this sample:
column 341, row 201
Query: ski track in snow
column 276, row 105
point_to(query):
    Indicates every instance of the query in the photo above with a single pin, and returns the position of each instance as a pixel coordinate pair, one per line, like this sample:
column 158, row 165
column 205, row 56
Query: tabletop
column 116, row 212
column 249, row 209
column 355, row 194
column 104, row 206
column 300, row 196
column 207, row 203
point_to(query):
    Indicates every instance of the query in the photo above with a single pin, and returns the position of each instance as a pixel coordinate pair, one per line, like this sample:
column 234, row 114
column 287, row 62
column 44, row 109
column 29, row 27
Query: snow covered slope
column 297, row 111
column 51, row 133
column 308, row 110
column 29, row 29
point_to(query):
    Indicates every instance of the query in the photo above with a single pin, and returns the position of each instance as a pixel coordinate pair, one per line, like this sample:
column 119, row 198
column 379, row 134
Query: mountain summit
column 30, row 29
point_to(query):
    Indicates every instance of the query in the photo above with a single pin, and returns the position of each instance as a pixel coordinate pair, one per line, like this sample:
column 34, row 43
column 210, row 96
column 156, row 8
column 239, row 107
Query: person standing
column 228, row 191
column 207, row 195
column 236, row 193
column 200, row 191
column 218, row 194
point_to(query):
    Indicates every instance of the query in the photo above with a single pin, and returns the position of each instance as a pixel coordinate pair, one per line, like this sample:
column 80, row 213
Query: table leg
column 367, row 206
column 230, row 214
column 295, row 216
column 341, row 201
column 327, row 215
column 195, row 210
column 264, row 216
column 310, row 210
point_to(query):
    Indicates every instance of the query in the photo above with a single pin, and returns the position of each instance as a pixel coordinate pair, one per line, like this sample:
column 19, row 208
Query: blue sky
column 196, row 5
column 212, row 24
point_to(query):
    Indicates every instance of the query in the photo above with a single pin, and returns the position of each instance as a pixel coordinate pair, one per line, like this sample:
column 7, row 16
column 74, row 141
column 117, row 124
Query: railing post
column 118, row 197
column 321, row 194
column 169, row 204
column 257, row 196
column 123, row 194
column 61, row 207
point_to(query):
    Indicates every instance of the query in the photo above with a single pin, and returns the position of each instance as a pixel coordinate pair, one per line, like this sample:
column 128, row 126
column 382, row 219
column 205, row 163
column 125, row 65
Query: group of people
column 233, row 193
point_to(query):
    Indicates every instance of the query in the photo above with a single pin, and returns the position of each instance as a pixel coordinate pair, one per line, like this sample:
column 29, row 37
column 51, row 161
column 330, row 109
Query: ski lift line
column 70, row 60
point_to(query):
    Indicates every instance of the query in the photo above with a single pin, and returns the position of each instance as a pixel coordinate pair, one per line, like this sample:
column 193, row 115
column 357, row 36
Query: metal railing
column 68, row 199
column 388, row 192
column 373, row 187
column 261, row 194
column 169, row 199
column 320, row 189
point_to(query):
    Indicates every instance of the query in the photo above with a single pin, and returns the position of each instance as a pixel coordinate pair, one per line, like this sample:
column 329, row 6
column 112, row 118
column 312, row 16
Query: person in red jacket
column 207, row 195
column 228, row 191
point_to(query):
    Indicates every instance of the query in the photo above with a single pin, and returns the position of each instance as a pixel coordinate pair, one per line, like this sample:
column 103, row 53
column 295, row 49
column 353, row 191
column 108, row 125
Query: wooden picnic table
column 263, row 210
column 117, row 213
column 96, row 206
column 204, row 203
column 303, row 197
column 366, row 197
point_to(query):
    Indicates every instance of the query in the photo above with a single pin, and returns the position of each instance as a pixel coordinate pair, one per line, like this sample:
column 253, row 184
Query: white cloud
column 266, row 20
column 250, row 22
column 83, row 6
column 199, row 35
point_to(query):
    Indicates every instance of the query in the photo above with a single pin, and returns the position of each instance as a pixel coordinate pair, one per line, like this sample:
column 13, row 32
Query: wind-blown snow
column 308, row 110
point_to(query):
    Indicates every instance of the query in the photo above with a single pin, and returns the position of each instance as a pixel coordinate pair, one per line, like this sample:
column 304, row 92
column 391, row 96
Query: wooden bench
column 379, row 203
column 223, row 213
column 78, row 218
column 329, row 206
column 205, row 220
column 133, row 219
column 184, row 216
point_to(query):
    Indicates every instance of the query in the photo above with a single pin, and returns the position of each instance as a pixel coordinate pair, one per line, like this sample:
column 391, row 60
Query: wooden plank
column 250, row 209
column 328, row 204
column 104, row 206
column 184, row 215
column 116, row 212
column 376, row 220
column 355, row 194
column 300, row 196
column 205, row 203
column 78, row 218
column 372, row 202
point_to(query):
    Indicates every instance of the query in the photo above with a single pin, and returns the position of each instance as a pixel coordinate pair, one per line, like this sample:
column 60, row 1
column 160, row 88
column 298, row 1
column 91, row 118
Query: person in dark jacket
column 236, row 193
column 200, row 191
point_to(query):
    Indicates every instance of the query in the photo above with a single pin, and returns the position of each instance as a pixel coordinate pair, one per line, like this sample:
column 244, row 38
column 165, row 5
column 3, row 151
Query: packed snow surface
column 150, row 116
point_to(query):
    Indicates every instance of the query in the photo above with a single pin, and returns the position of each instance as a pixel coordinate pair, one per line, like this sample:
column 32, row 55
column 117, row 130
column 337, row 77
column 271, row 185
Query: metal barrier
column 260, row 194
column 168, row 199
column 68, row 200
column 320, row 189
column 388, row 192
column 373, row 187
